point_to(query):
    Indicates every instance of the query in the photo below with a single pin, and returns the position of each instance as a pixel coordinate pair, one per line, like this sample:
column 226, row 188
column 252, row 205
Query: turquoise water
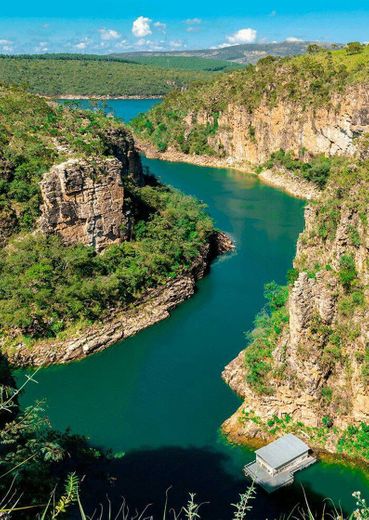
column 125, row 109
column 159, row 397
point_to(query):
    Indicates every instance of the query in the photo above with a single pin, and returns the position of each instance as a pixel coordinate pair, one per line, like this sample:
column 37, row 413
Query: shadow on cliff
column 142, row 478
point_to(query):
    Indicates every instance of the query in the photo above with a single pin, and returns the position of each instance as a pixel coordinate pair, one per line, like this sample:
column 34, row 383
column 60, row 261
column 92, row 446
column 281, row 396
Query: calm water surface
column 159, row 397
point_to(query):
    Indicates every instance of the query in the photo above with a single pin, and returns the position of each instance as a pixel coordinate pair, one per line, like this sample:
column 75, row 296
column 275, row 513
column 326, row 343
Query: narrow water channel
column 158, row 397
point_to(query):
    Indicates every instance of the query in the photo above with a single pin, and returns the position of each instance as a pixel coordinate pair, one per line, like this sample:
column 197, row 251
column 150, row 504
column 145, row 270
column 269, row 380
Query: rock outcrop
column 84, row 203
column 251, row 137
column 84, row 200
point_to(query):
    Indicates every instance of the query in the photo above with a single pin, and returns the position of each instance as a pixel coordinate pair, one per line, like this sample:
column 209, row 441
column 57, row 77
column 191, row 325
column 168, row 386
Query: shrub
column 347, row 271
column 263, row 339
column 354, row 47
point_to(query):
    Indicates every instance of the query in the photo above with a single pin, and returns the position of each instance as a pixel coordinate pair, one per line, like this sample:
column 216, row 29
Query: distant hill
column 168, row 61
column 247, row 53
column 95, row 75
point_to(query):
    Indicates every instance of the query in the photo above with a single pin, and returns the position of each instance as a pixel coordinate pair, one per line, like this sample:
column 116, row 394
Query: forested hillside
column 79, row 75
column 201, row 120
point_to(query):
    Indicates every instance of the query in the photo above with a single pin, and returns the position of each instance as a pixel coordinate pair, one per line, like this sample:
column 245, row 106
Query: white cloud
column 141, row 27
column 83, row 44
column 6, row 45
column 123, row 44
column 109, row 34
column 247, row 35
column 42, row 47
column 142, row 42
column 193, row 29
column 292, row 39
column 193, row 21
column 161, row 26
column 273, row 13
column 176, row 44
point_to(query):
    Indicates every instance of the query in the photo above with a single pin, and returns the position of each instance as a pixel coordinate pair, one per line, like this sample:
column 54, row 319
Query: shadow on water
column 142, row 477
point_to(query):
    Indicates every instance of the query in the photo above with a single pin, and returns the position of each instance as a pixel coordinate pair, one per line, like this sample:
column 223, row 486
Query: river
column 158, row 397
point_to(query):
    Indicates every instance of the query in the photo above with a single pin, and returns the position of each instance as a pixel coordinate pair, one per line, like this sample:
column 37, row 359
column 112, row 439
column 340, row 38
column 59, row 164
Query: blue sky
column 118, row 25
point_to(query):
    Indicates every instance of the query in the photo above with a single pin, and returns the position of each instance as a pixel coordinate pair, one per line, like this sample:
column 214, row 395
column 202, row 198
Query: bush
column 347, row 271
column 263, row 339
column 354, row 47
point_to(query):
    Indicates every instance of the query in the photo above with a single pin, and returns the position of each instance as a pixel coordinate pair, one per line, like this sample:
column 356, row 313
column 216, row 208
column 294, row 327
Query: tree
column 354, row 48
column 313, row 48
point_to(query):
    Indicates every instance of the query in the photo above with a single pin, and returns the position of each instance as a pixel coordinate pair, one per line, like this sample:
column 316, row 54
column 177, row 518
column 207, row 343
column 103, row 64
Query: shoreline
column 284, row 181
column 327, row 457
column 322, row 455
column 78, row 97
column 156, row 305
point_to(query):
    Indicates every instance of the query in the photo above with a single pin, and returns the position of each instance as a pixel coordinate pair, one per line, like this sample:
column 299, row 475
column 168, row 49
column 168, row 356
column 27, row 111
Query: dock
column 276, row 463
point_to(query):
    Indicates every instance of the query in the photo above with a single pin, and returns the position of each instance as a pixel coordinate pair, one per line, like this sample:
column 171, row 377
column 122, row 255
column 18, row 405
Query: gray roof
column 283, row 450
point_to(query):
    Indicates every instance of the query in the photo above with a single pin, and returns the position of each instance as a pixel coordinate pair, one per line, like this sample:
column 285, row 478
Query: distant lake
column 124, row 109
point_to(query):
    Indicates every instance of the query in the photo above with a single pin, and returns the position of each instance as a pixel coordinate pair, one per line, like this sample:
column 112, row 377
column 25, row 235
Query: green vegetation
column 307, row 81
column 352, row 442
column 316, row 170
column 263, row 338
column 336, row 346
column 29, row 131
column 46, row 287
column 183, row 62
column 347, row 273
column 355, row 441
column 57, row 75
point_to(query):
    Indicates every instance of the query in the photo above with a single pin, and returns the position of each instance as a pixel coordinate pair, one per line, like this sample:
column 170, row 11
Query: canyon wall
column 320, row 363
column 84, row 200
column 252, row 136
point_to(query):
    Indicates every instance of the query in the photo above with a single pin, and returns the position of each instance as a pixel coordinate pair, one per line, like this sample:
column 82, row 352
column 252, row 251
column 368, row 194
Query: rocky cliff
column 83, row 201
column 318, row 104
column 303, row 125
column 251, row 137
column 318, row 378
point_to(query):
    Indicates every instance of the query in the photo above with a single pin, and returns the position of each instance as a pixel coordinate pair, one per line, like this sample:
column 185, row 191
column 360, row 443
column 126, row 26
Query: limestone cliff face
column 319, row 367
column 84, row 200
column 251, row 137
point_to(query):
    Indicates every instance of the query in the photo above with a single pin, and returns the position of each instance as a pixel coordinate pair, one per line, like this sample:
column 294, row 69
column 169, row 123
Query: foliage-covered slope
column 47, row 286
column 97, row 76
column 305, row 369
column 182, row 62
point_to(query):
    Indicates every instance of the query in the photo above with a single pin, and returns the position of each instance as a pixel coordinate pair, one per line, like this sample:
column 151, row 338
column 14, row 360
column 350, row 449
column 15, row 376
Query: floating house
column 277, row 462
